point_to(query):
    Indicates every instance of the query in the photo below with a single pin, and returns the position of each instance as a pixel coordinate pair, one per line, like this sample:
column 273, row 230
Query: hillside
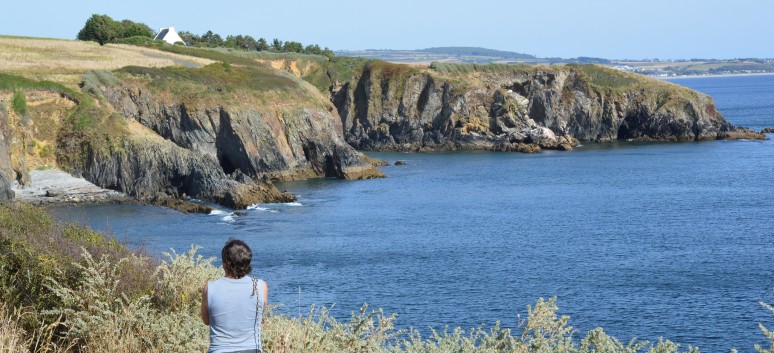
column 452, row 54
column 649, row 67
column 165, row 122
column 452, row 106
column 160, row 121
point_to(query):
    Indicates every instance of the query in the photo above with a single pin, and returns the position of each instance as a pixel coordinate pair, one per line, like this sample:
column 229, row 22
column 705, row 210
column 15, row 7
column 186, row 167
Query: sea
column 646, row 240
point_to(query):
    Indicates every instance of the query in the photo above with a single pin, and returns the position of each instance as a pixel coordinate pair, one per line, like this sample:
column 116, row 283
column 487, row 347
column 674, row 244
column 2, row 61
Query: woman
column 233, row 305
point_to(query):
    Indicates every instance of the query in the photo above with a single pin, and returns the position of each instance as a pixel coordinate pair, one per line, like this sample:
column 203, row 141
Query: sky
column 664, row 29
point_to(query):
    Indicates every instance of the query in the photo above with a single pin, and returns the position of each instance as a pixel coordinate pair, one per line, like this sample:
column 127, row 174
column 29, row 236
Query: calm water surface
column 645, row 240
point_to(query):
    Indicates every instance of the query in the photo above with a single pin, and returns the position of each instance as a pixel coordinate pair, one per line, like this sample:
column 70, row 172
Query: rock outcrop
column 140, row 132
column 228, row 154
column 6, row 172
column 518, row 108
column 296, row 144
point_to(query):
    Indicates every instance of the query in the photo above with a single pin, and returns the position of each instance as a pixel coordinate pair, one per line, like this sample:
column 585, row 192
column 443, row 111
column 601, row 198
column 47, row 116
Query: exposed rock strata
column 215, row 153
column 389, row 107
column 281, row 146
column 6, row 172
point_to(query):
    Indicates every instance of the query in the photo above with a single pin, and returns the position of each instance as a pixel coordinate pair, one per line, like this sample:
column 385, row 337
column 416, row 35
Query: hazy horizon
column 553, row 28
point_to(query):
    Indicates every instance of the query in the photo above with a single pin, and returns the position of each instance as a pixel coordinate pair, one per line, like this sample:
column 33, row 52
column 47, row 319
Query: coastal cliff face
column 214, row 144
column 296, row 144
column 6, row 172
column 216, row 133
column 518, row 107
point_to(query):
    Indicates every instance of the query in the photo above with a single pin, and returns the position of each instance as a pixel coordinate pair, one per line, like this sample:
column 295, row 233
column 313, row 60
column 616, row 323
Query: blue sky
column 664, row 29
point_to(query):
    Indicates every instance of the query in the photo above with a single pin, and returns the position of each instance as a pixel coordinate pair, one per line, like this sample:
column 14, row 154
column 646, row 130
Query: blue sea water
column 653, row 240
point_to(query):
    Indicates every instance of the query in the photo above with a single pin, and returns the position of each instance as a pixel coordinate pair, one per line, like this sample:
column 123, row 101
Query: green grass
column 467, row 68
column 89, row 128
column 201, row 53
column 604, row 77
column 225, row 84
column 19, row 103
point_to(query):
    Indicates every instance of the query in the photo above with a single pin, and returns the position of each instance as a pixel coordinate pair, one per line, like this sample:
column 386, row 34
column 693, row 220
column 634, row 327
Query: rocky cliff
column 517, row 107
column 6, row 172
column 218, row 133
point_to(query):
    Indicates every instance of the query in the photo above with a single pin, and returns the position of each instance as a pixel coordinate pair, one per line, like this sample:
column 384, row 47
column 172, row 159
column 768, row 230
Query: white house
column 169, row 35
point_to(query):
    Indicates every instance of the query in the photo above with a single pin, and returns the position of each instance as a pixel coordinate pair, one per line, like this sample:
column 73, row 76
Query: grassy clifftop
column 103, row 89
column 70, row 289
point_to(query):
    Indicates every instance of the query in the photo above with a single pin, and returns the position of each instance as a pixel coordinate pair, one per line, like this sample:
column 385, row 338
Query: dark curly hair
column 236, row 257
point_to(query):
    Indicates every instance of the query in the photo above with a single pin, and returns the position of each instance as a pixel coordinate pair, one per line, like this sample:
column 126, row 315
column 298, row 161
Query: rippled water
column 645, row 240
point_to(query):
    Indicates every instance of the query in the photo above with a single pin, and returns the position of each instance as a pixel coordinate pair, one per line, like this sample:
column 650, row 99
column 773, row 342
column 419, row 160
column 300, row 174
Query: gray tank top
column 235, row 314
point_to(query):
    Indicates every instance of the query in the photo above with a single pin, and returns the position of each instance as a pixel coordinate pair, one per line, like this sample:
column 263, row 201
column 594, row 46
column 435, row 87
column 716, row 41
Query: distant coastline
column 714, row 75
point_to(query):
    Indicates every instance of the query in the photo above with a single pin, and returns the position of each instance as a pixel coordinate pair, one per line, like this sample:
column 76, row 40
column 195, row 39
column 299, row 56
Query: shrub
column 19, row 103
column 766, row 332
column 135, row 40
column 94, row 311
column 103, row 29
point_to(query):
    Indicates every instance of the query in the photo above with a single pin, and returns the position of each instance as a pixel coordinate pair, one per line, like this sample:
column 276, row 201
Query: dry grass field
column 64, row 61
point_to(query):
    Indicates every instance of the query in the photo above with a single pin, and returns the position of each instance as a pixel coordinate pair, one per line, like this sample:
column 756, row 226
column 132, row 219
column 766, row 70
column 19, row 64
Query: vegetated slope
column 385, row 106
column 67, row 288
column 219, row 132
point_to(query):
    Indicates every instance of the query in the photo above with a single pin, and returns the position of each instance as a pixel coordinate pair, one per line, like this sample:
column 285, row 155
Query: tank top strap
column 259, row 290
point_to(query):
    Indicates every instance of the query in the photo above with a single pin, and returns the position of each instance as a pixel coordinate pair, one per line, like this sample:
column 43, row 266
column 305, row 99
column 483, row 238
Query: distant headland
column 649, row 67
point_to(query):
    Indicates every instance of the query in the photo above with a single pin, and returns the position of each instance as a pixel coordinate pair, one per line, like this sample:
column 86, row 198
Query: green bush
column 103, row 29
column 19, row 103
column 135, row 40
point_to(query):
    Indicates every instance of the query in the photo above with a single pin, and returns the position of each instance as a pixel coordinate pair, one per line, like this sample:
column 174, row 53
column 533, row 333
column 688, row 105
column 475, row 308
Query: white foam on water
column 217, row 212
column 262, row 209
column 295, row 204
column 228, row 218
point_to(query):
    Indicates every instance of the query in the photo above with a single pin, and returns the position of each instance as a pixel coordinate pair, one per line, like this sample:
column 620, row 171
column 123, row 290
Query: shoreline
column 54, row 186
column 713, row 76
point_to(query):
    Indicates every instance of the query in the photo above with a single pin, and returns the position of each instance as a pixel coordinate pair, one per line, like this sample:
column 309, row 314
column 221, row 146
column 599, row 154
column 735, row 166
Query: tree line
column 103, row 29
column 247, row 42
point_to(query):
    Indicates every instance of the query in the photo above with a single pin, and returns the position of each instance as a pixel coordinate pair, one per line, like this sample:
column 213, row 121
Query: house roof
column 168, row 35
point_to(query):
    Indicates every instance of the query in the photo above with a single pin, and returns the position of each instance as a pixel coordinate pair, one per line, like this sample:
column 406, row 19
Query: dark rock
column 6, row 171
column 400, row 163
column 53, row 193
column 374, row 162
column 240, row 213
column 741, row 134
column 213, row 153
column 768, row 130
column 183, row 206
column 243, row 195
column 548, row 108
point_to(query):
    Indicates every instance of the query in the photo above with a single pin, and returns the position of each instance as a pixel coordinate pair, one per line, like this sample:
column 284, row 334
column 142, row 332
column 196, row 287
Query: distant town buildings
column 169, row 35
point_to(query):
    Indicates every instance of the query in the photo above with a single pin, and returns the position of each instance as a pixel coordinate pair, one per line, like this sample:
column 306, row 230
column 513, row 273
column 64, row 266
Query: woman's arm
column 265, row 295
column 204, row 310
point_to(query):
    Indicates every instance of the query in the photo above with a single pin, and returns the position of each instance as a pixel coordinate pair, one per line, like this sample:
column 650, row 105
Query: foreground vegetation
column 67, row 288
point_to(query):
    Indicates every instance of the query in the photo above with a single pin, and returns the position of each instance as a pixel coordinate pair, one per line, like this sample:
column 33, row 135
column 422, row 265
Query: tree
column 133, row 29
column 190, row 38
column 327, row 52
column 103, row 29
column 292, row 47
column 245, row 42
column 230, row 42
column 313, row 49
column 261, row 45
column 99, row 28
column 212, row 40
column 276, row 45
